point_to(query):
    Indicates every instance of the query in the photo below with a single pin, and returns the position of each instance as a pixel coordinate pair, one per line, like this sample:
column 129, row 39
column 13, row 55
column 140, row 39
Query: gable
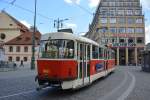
column 6, row 22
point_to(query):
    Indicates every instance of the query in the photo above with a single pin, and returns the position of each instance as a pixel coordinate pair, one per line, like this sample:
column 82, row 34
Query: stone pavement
column 16, row 72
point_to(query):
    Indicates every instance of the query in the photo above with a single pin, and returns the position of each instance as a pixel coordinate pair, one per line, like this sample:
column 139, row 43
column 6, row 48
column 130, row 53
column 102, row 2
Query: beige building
column 17, row 39
column 10, row 27
column 20, row 48
column 120, row 23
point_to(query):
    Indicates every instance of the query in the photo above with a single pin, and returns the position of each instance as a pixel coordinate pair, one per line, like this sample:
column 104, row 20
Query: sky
column 78, row 12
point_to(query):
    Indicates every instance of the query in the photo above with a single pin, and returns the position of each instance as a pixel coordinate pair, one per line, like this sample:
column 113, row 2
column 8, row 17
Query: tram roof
column 65, row 35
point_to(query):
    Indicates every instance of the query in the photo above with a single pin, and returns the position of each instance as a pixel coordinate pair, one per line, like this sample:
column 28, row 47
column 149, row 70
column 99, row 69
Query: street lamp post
column 33, row 39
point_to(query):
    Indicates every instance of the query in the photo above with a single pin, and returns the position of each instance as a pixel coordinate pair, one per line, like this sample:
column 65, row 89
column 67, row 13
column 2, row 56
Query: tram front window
column 58, row 49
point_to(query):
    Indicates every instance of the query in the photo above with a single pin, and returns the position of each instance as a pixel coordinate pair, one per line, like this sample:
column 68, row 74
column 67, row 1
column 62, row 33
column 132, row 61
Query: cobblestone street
column 128, row 83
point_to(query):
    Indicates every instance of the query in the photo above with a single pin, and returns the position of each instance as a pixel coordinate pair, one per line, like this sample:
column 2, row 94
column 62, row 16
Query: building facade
column 17, row 39
column 121, row 24
column 10, row 27
column 20, row 48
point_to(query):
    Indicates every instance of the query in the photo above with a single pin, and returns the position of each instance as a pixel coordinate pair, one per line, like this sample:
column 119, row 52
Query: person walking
column 21, row 63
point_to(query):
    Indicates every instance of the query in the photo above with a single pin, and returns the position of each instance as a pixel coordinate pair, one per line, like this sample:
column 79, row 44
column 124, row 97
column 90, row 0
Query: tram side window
column 81, row 51
column 113, row 54
column 100, row 53
column 95, row 52
column 105, row 54
column 88, row 52
column 110, row 53
column 70, row 47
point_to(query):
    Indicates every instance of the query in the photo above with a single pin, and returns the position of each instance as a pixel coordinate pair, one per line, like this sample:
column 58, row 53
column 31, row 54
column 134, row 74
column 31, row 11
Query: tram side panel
column 56, row 71
column 96, row 69
column 110, row 65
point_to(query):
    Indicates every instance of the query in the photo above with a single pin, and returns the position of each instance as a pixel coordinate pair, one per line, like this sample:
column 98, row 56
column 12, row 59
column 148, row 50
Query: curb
column 7, row 69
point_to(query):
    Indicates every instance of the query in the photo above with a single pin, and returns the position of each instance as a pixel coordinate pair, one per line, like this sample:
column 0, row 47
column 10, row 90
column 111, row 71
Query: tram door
column 106, row 59
column 83, row 63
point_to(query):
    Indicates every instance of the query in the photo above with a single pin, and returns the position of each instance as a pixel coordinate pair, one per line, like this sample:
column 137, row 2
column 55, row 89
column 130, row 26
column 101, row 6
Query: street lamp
column 33, row 39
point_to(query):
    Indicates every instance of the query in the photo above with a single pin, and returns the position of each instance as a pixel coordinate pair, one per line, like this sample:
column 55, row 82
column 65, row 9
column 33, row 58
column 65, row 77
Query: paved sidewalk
column 17, row 72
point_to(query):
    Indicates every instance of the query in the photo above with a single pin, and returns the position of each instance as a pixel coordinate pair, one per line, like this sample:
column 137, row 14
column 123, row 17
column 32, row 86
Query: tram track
column 122, row 91
column 117, row 86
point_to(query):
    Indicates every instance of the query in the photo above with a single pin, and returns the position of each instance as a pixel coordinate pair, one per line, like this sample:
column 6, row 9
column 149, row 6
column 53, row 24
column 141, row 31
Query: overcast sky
column 79, row 13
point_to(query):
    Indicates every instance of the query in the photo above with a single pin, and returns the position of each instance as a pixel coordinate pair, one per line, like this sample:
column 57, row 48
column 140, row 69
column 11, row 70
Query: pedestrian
column 14, row 65
column 21, row 63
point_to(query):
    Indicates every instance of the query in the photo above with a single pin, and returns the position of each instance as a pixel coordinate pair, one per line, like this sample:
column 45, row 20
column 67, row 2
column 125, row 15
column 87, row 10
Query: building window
column 10, row 58
column 129, row 12
column 103, row 12
column 139, row 20
column 105, row 4
column 121, row 30
column 111, row 4
column 10, row 24
column 2, row 36
column 112, row 12
column 17, row 58
column 121, row 20
column 130, row 30
column 25, row 59
column 139, row 30
column 138, row 12
column 112, row 30
column 121, row 40
column 101, row 30
column 114, row 40
column 140, row 40
column 103, row 20
column 131, row 21
column 10, row 49
column 113, row 20
column 121, row 12
column 26, row 49
column 130, row 40
column 18, row 49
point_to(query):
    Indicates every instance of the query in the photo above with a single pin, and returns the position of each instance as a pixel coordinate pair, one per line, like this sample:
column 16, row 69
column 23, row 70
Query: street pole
column 33, row 39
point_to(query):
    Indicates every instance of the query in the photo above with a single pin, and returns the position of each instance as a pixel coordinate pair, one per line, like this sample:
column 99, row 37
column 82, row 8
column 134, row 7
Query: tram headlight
column 46, row 71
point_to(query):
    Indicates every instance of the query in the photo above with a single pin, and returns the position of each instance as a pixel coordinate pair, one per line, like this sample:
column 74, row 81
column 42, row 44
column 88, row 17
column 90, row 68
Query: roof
column 65, row 35
column 21, row 26
column 25, row 39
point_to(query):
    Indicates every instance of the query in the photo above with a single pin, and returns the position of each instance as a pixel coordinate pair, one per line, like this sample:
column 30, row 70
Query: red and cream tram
column 71, row 61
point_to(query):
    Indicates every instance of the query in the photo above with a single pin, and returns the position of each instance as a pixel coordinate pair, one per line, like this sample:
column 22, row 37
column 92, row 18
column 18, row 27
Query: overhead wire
column 25, row 9
column 12, row 3
column 83, row 8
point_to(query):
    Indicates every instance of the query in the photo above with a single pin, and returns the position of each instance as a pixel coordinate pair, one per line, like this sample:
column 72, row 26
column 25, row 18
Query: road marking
column 130, row 88
column 126, row 91
column 22, row 93
column 107, row 97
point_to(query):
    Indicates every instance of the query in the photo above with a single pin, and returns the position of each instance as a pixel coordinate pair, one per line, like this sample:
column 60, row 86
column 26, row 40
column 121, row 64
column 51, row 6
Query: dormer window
column 19, row 38
column 2, row 36
column 10, row 24
column 27, row 38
